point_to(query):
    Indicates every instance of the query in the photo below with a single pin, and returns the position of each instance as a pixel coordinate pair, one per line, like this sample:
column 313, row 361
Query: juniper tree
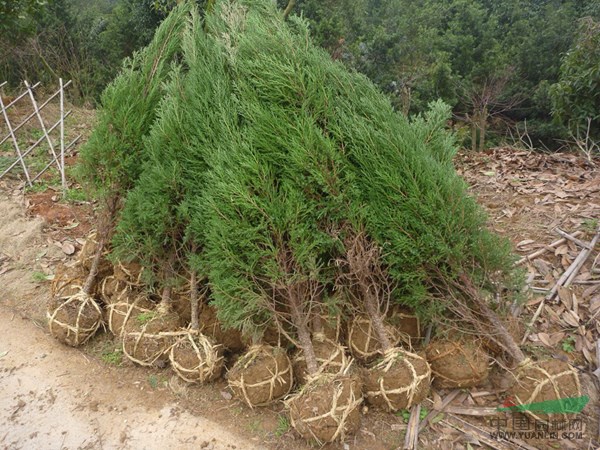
column 112, row 158
column 155, row 226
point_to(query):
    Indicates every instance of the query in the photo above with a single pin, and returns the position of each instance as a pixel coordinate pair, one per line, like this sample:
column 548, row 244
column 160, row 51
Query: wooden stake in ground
column 564, row 281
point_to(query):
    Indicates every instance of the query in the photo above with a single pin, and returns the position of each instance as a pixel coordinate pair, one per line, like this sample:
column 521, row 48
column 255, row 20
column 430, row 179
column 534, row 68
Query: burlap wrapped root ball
column 87, row 254
column 399, row 381
column 261, row 376
column 67, row 281
column 457, row 364
column 196, row 359
column 546, row 380
column 331, row 358
column 230, row 339
column 74, row 319
column 327, row 408
column 363, row 342
column 407, row 325
column 148, row 338
column 130, row 273
column 125, row 309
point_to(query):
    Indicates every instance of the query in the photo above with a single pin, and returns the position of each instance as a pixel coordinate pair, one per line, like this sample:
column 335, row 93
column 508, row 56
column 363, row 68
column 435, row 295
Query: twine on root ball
column 130, row 273
column 262, row 375
column 407, row 324
column 546, row 380
column 196, row 359
column 362, row 339
column 113, row 290
column 401, row 380
column 67, row 281
column 327, row 408
column 74, row 319
column 121, row 312
column 331, row 358
column 148, row 344
column 88, row 253
column 457, row 364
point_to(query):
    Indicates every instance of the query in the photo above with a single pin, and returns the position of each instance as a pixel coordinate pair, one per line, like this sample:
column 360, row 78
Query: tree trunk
column 288, row 9
column 482, row 127
column 194, row 300
column 300, row 320
column 474, row 133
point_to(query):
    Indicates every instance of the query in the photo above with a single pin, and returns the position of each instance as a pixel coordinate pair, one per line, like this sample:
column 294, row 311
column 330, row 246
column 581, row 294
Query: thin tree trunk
column 474, row 133
column 288, row 9
column 482, row 128
column 194, row 300
column 300, row 319
column 374, row 312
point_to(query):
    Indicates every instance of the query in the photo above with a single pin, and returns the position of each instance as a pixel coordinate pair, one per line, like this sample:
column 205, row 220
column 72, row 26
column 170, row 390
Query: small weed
column 568, row 344
column 38, row 187
column 39, row 277
column 590, row 225
column 255, row 426
column 114, row 357
column 75, row 195
column 145, row 317
column 153, row 381
column 405, row 414
column 283, row 426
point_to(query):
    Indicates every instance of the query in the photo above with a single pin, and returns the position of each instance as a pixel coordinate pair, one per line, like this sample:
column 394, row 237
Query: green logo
column 568, row 405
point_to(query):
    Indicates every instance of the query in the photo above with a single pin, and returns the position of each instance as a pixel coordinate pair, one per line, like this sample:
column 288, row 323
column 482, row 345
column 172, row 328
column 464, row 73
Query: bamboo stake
column 42, row 106
column 411, row 438
column 572, row 238
column 41, row 121
column 52, row 162
column 63, row 179
column 14, row 139
column 564, row 281
column 16, row 99
column 540, row 252
column 32, row 146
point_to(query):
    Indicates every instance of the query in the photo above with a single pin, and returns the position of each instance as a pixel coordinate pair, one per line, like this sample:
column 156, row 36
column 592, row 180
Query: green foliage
column 576, row 96
column 568, row 344
column 113, row 157
column 283, row 425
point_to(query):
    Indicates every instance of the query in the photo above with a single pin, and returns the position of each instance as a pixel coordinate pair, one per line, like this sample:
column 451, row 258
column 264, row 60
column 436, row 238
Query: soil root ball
column 74, row 319
column 67, row 281
column 87, row 254
column 457, row 364
column 262, row 375
column 148, row 338
column 327, row 408
column 130, row 273
column 546, row 380
column 112, row 290
column 399, row 381
column 230, row 339
column 121, row 312
column 407, row 325
column 196, row 359
column 363, row 342
column 331, row 358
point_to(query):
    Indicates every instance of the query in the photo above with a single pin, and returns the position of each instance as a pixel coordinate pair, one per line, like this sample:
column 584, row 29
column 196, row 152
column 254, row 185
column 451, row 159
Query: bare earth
column 52, row 396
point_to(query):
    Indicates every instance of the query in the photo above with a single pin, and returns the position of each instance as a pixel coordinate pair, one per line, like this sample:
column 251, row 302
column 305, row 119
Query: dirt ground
column 52, row 396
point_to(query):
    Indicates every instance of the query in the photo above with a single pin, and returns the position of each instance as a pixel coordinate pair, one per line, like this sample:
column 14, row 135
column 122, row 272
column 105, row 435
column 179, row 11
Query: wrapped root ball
column 112, row 290
column 130, row 273
column 401, row 380
column 363, row 342
column 547, row 380
column 262, row 375
column 181, row 304
column 148, row 337
column 74, row 319
column 331, row 358
column 457, row 364
column 125, row 309
column 407, row 324
column 327, row 408
column 196, row 359
column 67, row 281
column 87, row 254
column 230, row 339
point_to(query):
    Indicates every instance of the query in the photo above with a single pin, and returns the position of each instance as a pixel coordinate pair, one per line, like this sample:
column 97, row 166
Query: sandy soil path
column 53, row 397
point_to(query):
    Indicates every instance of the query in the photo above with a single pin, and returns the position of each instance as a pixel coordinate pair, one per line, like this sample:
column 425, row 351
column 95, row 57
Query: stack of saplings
column 291, row 227
column 110, row 166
